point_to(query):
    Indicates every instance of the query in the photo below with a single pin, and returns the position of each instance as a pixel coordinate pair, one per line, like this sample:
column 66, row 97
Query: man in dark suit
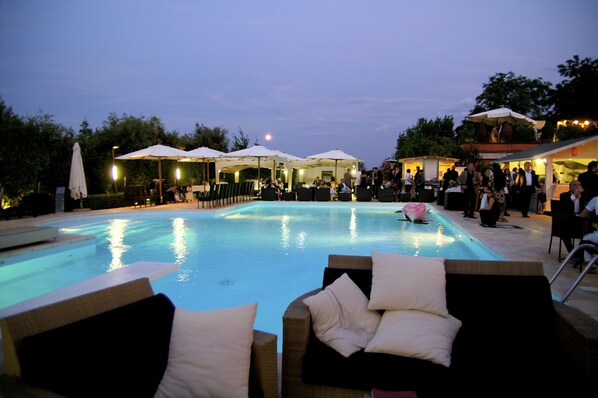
column 589, row 181
column 470, row 181
column 377, row 178
column 527, row 184
column 570, row 205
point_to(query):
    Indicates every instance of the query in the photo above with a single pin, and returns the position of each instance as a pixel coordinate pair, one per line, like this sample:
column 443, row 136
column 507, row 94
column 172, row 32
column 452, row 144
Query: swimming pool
column 269, row 253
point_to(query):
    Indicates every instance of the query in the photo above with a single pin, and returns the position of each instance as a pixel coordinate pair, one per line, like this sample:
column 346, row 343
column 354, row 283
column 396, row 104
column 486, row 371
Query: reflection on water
column 285, row 233
column 353, row 226
column 179, row 248
column 301, row 240
column 117, row 246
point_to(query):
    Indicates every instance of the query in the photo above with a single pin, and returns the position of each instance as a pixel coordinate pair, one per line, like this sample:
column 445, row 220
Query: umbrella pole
column 206, row 171
column 258, row 172
column 160, row 177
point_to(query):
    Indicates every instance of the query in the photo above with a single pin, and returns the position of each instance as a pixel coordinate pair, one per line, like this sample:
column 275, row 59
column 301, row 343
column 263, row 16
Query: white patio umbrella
column 203, row 154
column 77, row 184
column 257, row 151
column 498, row 116
column 334, row 155
column 156, row 152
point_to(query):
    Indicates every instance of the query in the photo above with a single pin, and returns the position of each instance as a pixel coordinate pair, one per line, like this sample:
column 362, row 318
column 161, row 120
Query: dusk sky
column 317, row 75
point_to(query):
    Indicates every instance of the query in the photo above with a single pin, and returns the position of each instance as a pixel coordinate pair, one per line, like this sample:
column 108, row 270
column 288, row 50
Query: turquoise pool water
column 269, row 253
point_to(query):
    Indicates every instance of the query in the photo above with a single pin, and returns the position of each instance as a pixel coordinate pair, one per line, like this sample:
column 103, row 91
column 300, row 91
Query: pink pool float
column 416, row 212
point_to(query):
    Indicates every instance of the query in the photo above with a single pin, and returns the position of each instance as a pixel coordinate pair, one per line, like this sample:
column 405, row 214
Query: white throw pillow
column 341, row 318
column 210, row 353
column 416, row 334
column 401, row 282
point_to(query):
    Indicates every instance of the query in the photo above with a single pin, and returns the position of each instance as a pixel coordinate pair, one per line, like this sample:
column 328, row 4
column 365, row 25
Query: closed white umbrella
column 77, row 184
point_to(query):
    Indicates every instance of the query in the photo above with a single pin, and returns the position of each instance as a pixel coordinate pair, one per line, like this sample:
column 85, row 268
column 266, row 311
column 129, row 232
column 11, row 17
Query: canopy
column 203, row 154
column 496, row 117
column 335, row 155
column 77, row 184
column 156, row 152
column 258, row 152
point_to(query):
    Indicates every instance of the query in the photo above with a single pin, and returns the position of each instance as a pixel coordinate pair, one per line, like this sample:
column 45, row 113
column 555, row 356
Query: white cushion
column 401, row 282
column 416, row 334
column 341, row 318
column 210, row 352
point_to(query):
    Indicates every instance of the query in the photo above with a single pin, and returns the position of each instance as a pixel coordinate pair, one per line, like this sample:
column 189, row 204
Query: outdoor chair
column 323, row 194
column 289, row 196
column 269, row 194
column 454, row 201
column 564, row 226
column 405, row 197
column 345, row 196
column 305, row 194
column 209, row 198
column 386, row 195
column 363, row 194
column 131, row 305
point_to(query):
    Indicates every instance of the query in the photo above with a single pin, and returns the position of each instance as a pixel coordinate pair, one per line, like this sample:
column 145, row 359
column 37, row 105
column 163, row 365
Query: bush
column 104, row 201
column 39, row 203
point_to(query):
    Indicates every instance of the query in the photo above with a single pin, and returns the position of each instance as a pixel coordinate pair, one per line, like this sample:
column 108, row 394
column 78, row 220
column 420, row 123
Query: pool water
column 269, row 253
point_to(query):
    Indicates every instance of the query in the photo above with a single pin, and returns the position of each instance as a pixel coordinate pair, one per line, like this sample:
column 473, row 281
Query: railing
column 593, row 248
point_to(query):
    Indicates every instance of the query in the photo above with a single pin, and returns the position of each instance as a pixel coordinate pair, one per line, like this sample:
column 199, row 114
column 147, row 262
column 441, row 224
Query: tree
column 239, row 142
column 215, row 138
column 531, row 97
column 427, row 138
column 12, row 177
column 129, row 133
column 35, row 152
column 576, row 97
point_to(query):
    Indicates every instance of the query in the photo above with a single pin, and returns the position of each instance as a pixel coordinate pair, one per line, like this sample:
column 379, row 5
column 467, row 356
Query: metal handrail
column 584, row 246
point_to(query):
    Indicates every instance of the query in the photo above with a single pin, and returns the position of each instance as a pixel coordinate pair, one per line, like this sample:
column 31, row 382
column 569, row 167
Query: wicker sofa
column 141, row 370
column 497, row 352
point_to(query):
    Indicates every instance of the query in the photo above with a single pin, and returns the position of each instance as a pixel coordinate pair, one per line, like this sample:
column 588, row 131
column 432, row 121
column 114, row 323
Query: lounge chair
column 312, row 369
column 136, row 297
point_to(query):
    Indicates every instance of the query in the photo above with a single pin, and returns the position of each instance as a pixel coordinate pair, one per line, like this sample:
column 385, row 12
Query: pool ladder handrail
column 594, row 260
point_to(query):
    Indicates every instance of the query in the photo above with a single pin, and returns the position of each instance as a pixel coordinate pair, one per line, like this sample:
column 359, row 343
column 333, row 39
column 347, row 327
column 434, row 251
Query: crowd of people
column 498, row 191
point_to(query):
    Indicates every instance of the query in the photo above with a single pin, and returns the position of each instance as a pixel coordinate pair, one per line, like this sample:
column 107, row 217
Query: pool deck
column 529, row 243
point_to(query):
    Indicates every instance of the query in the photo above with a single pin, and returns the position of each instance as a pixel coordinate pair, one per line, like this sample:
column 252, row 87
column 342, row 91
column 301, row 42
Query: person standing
column 419, row 185
column 589, row 182
column 571, row 205
column 468, row 180
column 527, row 184
column 377, row 178
column 348, row 177
column 409, row 183
column 513, row 190
column 508, row 189
column 363, row 179
column 396, row 177
column 497, row 186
